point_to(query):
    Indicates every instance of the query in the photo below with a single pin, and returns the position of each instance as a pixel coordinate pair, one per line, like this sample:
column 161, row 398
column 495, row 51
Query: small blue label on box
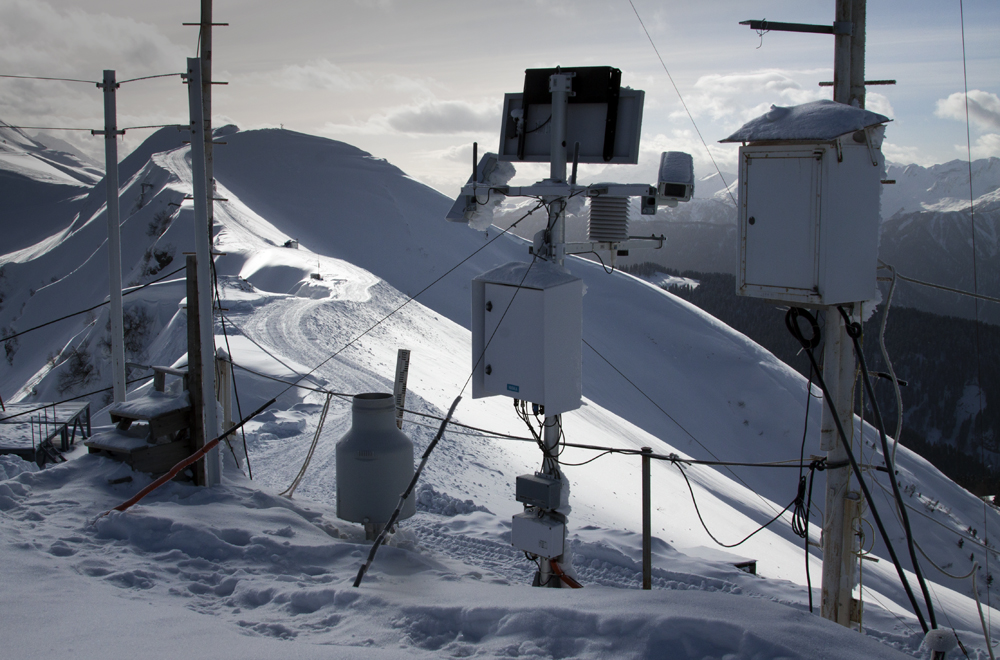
column 513, row 388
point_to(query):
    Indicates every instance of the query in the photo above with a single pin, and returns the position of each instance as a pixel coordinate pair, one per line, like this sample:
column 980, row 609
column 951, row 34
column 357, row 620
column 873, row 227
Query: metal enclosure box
column 535, row 353
column 538, row 490
column 809, row 221
column 539, row 536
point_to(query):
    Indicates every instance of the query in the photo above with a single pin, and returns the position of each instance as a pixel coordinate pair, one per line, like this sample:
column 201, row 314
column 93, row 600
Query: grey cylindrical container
column 374, row 463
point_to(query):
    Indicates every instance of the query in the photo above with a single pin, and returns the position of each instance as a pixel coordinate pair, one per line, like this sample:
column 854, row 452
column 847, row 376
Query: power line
column 679, row 96
column 48, row 128
column 135, row 128
column 89, row 82
column 161, row 75
column 679, row 425
column 4, row 418
column 970, row 294
column 412, row 298
column 975, row 284
column 89, row 309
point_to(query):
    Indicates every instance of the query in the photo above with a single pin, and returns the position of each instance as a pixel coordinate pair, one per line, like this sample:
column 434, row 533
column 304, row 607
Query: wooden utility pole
column 843, row 507
column 206, row 102
column 111, row 133
column 194, row 366
column 203, row 250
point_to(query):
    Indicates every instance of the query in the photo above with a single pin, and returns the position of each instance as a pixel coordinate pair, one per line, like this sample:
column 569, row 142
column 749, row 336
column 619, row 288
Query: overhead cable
column 679, row 96
column 125, row 292
column 942, row 287
column 412, row 298
column 89, row 82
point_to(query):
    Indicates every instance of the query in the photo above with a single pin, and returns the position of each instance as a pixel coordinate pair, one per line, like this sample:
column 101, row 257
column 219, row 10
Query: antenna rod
column 475, row 160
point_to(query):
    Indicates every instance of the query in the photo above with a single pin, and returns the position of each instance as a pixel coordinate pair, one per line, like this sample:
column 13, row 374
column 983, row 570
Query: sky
column 417, row 83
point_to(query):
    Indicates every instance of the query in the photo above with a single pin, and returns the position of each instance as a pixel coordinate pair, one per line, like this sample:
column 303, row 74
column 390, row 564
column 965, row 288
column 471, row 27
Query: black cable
column 791, row 322
column 854, row 331
column 800, row 517
column 539, row 126
column 698, row 511
column 162, row 75
column 125, row 292
column 402, row 498
column 594, row 252
column 809, row 499
column 285, row 382
column 414, row 297
column 89, row 82
column 502, row 317
column 671, row 418
column 589, row 460
column 232, row 371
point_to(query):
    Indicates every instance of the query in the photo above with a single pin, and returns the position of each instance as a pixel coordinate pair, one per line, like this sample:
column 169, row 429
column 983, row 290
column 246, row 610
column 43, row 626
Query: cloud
column 879, row 103
column 742, row 96
column 38, row 39
column 315, row 75
column 445, row 117
column 986, row 146
column 905, row 155
column 984, row 109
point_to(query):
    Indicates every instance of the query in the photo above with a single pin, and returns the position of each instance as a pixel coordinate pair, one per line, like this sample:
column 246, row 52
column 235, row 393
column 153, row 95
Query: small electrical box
column 809, row 204
column 538, row 535
column 539, row 490
column 527, row 335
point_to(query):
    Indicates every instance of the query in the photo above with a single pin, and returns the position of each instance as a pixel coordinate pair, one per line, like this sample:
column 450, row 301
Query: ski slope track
column 238, row 570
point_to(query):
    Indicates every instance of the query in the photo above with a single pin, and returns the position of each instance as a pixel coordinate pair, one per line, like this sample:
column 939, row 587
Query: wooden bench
column 152, row 432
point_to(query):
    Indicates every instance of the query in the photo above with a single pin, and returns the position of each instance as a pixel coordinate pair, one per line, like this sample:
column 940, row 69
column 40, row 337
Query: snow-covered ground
column 241, row 571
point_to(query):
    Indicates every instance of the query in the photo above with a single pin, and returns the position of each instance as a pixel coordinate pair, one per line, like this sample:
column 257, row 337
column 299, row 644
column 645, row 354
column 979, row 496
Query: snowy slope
column 375, row 237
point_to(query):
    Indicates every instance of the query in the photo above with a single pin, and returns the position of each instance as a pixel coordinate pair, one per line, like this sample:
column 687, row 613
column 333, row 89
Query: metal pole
column 114, row 236
column 647, row 551
column 560, row 86
column 857, row 84
column 842, row 55
column 203, row 251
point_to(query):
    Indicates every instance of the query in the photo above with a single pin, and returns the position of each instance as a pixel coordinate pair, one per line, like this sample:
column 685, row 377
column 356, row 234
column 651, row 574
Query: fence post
column 647, row 559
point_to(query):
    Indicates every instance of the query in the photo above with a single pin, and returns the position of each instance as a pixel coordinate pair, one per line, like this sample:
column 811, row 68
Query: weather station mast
column 527, row 317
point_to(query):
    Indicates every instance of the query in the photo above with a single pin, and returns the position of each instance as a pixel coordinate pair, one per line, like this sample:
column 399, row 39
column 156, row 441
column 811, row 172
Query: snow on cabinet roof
column 819, row 120
column 540, row 275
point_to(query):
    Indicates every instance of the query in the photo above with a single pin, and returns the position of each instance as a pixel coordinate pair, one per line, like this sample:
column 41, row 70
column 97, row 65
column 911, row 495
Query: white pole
column 203, row 253
column 560, row 85
column 114, row 236
column 838, row 541
column 839, row 559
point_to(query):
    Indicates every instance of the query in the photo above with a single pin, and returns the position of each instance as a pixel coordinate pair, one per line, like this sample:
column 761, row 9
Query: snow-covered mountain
column 238, row 559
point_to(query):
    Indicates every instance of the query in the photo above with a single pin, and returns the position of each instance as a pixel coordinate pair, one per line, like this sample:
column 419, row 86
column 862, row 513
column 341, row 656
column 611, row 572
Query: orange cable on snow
column 564, row 577
column 175, row 470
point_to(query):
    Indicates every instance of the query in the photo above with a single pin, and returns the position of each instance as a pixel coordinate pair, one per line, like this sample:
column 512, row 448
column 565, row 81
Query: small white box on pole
column 539, row 535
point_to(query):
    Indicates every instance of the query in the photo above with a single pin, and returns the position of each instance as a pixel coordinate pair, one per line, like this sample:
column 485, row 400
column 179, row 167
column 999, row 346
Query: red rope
column 175, row 470
column 570, row 582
